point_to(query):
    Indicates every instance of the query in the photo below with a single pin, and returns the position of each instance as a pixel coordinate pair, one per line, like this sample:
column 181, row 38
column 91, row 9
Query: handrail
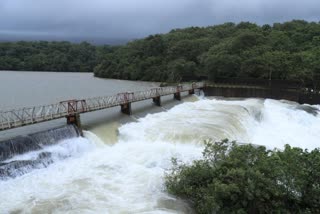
column 30, row 115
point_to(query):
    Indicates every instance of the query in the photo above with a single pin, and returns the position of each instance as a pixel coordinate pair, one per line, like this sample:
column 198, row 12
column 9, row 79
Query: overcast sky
column 126, row 19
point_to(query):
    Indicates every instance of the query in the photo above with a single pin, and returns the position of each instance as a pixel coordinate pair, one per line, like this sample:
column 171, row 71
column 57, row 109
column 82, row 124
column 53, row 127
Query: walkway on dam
column 71, row 109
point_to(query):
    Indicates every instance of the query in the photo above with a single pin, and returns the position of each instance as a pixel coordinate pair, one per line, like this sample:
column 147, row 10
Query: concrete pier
column 191, row 91
column 157, row 100
column 74, row 119
column 126, row 108
column 177, row 96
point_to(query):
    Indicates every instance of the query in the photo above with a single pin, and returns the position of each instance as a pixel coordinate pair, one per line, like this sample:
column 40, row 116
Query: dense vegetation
column 235, row 178
column 51, row 56
column 287, row 51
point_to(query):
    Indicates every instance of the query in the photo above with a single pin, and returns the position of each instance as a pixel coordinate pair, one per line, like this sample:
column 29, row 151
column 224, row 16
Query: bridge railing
column 25, row 116
column 97, row 103
column 19, row 117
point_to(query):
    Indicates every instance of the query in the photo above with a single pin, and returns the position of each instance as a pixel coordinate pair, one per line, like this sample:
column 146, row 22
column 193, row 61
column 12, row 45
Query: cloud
column 138, row 18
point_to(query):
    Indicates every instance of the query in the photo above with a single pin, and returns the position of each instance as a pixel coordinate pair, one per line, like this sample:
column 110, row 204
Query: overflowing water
column 123, row 173
column 20, row 154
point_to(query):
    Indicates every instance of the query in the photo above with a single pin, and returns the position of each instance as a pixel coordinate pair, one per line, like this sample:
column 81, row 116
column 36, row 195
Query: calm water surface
column 25, row 89
column 22, row 89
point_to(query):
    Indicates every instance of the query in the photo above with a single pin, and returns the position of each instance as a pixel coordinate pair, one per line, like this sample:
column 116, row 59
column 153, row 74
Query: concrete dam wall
column 260, row 92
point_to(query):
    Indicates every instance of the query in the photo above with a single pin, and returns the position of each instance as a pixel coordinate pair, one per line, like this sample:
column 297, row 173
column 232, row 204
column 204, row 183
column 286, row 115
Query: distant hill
column 91, row 40
column 285, row 51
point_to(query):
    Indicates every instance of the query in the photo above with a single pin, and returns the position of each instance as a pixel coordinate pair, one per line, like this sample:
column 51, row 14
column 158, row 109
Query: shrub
column 233, row 178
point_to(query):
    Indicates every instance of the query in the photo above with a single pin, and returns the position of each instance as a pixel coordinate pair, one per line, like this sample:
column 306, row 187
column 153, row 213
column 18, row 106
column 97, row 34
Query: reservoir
column 120, row 163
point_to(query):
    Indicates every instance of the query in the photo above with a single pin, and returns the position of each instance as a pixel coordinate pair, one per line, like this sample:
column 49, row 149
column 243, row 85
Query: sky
column 107, row 20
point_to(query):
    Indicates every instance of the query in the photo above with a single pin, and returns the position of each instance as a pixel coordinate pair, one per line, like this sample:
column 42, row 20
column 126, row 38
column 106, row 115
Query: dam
column 71, row 109
column 119, row 164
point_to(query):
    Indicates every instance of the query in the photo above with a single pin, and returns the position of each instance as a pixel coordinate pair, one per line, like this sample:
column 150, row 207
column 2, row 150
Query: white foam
column 128, row 177
column 283, row 124
column 122, row 178
column 60, row 150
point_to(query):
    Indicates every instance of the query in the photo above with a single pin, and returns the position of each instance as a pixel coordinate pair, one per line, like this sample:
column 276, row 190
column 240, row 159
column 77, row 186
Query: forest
column 51, row 56
column 282, row 51
column 287, row 51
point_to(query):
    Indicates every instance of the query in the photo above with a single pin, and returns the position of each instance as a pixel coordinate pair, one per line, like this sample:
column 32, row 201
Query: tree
column 180, row 68
column 278, row 64
column 222, row 65
column 245, row 40
column 232, row 178
column 288, row 51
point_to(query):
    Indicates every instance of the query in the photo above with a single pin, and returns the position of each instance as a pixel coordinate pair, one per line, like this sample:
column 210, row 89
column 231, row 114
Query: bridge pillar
column 126, row 108
column 157, row 100
column 177, row 96
column 191, row 91
column 74, row 119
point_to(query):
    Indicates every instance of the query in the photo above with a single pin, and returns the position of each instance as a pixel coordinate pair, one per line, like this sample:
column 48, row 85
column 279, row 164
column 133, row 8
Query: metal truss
column 31, row 115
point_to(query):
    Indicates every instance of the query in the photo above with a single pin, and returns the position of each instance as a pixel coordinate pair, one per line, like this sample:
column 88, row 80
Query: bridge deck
column 31, row 115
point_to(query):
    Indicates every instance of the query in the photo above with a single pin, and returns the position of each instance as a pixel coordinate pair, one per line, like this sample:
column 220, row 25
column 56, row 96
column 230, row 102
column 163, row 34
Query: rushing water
column 123, row 173
column 118, row 167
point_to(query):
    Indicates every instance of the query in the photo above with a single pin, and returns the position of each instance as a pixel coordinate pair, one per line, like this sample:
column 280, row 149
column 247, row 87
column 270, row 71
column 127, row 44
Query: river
column 119, row 166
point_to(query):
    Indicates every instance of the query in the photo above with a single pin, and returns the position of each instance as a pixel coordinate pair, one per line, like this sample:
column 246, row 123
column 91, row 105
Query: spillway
column 124, row 173
column 23, row 153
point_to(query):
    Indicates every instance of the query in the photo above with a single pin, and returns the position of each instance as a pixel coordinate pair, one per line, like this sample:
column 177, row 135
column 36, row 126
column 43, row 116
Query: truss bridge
column 71, row 109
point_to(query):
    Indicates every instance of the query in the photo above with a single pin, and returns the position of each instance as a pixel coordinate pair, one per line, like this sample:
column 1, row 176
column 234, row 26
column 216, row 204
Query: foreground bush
column 232, row 178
